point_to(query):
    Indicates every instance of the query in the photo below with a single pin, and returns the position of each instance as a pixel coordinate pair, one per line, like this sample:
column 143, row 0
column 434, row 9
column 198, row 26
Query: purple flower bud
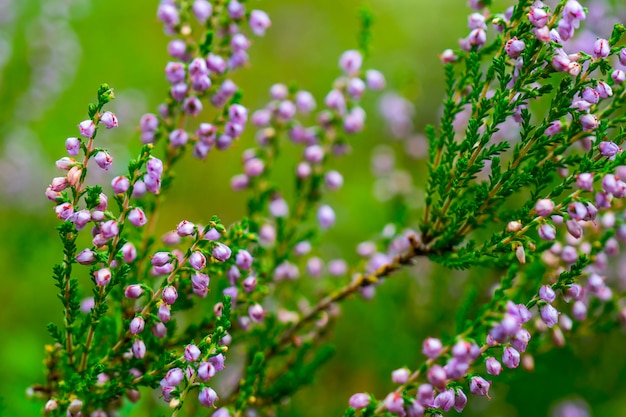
column 510, row 357
column 178, row 91
column 337, row 267
column 445, row 400
column 460, row 400
column 544, row 207
column 622, row 56
column 221, row 252
column 278, row 207
column 604, row 90
column 218, row 362
column 86, row 257
column 314, row 154
column 244, row 259
column 573, row 11
column 207, row 396
column 177, row 49
column 521, row 339
column 475, row 21
column 192, row 106
column 546, row 293
column 87, row 129
column 109, row 120
column 173, row 377
column 437, row 376
column 286, row 110
column 286, row 271
column 314, row 267
column 608, row 148
column 236, row 10
column 579, row 310
column 133, row 291
column 136, row 325
column 477, row 37
column 59, row 184
column 192, row 353
column 139, row 189
column 200, row 282
column 168, row 14
column 160, row 258
column 448, row 56
column 354, row 121
column 261, row 118
column 239, row 182
column 493, row 366
column 159, row 330
column 432, row 347
column 169, row 295
column 400, row 376
column 355, row 88
column 129, row 252
column 109, row 229
column 514, row 47
column 249, row 284
column 239, row 42
column 139, row 349
column 305, row 102
column 259, row 22
column 185, row 228
column 618, row 76
column 104, row 160
column 547, row 232
column 574, row 228
column 206, row 371
column 426, row 395
column 479, row 386
column 326, row 217
column 394, row 403
column 569, row 254
column 164, row 313
column 197, row 260
column 601, row 48
column 359, row 400
column 238, row 114
column 375, row 80
column 554, row 128
column 254, row 167
column 590, row 95
column 256, row 313
column 175, row 72
column 216, row 63
column 538, row 17
column 589, row 122
column 549, row 315
column 336, row 101
column 202, row 10
column 350, row 62
column 120, row 184
column 178, row 137
column 577, row 210
column 87, row 305
column 137, row 217
column 584, row 181
column 72, row 146
column 102, row 277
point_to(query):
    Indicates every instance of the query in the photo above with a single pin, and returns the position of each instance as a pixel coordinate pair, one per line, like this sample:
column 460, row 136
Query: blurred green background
column 53, row 56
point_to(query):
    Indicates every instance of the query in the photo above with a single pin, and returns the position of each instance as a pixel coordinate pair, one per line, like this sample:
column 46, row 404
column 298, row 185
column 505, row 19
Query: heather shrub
column 523, row 182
